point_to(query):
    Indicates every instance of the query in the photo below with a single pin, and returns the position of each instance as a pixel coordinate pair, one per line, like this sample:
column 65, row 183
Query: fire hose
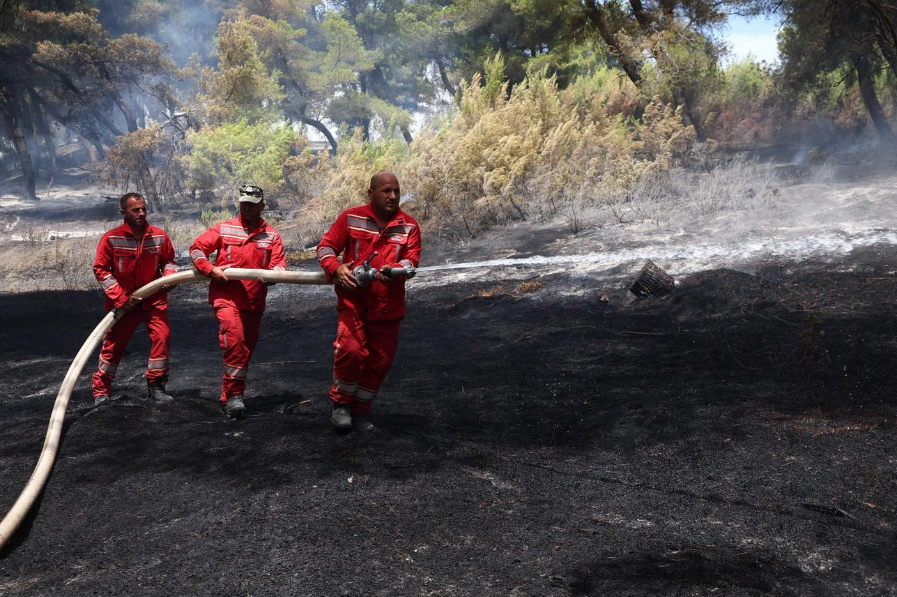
column 38, row 479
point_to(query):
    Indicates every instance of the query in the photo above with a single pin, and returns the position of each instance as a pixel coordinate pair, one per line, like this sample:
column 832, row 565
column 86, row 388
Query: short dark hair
column 123, row 202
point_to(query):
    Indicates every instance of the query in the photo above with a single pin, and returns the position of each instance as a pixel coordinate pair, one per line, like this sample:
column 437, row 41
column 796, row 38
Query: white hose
column 38, row 479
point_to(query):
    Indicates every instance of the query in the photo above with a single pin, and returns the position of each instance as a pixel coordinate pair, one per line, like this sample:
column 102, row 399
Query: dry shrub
column 539, row 151
column 534, row 152
column 129, row 162
column 355, row 162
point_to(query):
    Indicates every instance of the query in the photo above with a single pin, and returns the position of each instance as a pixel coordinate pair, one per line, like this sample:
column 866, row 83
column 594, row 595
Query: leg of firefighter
column 114, row 344
column 349, row 351
column 159, row 328
column 382, row 341
column 238, row 333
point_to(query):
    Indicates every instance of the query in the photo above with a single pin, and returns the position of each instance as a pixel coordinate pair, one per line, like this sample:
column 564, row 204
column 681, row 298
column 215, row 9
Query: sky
column 756, row 36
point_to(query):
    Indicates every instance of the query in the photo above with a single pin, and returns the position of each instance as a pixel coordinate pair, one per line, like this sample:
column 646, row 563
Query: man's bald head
column 375, row 179
column 384, row 195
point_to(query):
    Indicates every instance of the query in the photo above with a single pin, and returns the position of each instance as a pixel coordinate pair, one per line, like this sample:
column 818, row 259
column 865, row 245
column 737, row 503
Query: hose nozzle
column 364, row 273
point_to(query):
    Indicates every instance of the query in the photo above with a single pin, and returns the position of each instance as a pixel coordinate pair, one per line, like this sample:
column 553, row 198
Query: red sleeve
column 167, row 258
column 102, row 269
column 205, row 244
column 332, row 245
column 278, row 256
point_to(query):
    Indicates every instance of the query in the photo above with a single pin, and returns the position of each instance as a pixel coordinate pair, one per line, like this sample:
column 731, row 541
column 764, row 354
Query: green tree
column 239, row 152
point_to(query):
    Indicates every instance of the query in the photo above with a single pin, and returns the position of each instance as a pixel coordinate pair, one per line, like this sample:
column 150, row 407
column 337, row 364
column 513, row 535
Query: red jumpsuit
column 368, row 318
column 123, row 264
column 238, row 304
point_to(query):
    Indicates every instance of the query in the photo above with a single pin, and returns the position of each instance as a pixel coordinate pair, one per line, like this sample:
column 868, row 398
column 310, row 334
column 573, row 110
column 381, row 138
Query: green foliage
column 210, row 217
column 746, row 107
column 237, row 153
column 746, row 81
column 242, row 86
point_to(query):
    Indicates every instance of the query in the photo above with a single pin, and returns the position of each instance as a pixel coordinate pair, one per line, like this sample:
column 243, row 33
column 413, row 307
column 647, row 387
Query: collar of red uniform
column 262, row 225
column 124, row 228
column 397, row 219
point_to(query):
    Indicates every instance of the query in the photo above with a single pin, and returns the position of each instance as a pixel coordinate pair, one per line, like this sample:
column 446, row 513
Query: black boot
column 341, row 417
column 235, row 408
column 155, row 391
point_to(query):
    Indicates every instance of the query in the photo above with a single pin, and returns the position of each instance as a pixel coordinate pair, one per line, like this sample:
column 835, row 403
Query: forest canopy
column 488, row 109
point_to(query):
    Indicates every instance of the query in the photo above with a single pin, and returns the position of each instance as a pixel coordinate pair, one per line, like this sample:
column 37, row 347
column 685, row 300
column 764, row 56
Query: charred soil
column 737, row 436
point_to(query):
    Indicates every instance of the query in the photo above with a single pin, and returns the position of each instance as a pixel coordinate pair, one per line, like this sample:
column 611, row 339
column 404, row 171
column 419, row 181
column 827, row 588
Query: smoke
column 188, row 29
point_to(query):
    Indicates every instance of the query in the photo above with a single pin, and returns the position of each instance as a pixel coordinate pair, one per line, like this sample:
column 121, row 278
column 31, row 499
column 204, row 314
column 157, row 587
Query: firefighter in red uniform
column 246, row 242
column 368, row 317
column 129, row 257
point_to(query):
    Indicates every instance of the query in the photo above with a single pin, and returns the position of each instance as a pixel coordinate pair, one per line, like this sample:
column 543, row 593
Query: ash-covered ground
column 542, row 433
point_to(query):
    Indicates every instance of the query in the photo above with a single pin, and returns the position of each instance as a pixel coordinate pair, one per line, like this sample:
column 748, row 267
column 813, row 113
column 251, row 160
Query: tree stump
column 652, row 281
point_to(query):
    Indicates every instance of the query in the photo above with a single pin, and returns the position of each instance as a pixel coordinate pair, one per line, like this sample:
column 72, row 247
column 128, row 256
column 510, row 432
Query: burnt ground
column 735, row 438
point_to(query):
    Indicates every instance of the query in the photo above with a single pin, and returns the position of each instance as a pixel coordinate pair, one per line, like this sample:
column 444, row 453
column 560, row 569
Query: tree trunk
column 125, row 109
column 867, row 90
column 147, row 182
column 445, row 80
column 687, row 116
column 323, row 129
column 638, row 10
column 885, row 30
column 378, row 80
column 649, row 24
column 95, row 142
column 43, row 128
column 90, row 149
column 7, row 111
column 140, row 111
column 595, row 14
column 23, row 112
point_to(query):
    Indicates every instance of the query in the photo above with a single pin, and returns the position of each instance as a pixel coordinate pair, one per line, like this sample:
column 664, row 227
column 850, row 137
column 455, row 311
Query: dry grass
column 493, row 291
column 58, row 265
column 738, row 183
column 528, row 287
